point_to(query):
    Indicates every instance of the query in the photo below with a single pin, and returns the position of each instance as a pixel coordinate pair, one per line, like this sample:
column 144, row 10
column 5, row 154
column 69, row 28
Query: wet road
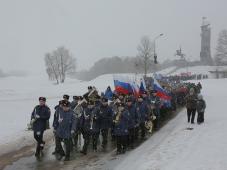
column 78, row 161
column 96, row 161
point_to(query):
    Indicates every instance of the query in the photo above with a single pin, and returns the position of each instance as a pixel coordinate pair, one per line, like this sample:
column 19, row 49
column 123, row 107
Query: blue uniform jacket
column 105, row 113
column 86, row 120
column 133, row 116
column 65, row 124
column 143, row 111
column 121, row 128
column 44, row 115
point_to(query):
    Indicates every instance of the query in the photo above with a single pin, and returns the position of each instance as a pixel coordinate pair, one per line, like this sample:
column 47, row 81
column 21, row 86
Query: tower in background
column 205, row 54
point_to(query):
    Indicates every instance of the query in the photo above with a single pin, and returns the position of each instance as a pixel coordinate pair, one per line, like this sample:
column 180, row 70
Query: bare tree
column 221, row 50
column 51, row 67
column 59, row 63
column 145, row 53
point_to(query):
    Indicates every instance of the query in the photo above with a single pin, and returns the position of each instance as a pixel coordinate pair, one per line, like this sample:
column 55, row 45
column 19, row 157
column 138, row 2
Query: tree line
column 60, row 62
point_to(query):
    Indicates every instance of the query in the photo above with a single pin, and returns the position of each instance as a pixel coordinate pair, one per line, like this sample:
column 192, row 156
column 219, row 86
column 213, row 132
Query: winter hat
column 65, row 96
column 104, row 100
column 75, row 97
column 42, row 99
column 66, row 104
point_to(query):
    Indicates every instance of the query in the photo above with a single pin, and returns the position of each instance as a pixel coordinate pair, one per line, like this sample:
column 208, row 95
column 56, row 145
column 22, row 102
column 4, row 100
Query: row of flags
column 127, row 84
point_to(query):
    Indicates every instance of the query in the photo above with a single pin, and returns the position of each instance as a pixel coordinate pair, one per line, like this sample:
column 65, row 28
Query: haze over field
column 95, row 29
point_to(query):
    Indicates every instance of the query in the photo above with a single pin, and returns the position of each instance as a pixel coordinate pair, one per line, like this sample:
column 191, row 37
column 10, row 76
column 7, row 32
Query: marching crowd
column 121, row 118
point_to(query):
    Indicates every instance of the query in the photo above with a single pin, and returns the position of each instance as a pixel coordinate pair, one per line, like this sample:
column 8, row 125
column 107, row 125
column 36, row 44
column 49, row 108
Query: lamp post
column 155, row 55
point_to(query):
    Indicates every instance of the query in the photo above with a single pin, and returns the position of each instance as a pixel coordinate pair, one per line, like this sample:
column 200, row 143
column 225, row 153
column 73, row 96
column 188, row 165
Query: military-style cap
column 65, row 96
column 42, row 99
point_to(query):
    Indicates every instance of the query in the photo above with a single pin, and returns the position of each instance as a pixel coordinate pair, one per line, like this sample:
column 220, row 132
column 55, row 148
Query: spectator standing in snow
column 201, row 106
column 191, row 100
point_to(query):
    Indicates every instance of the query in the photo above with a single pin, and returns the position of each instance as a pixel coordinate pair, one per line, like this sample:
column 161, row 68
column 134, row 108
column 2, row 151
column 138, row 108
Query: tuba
column 117, row 117
column 93, row 94
column 78, row 109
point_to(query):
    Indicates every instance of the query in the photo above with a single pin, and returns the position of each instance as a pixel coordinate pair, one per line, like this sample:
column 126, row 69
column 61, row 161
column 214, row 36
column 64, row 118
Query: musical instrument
column 93, row 94
column 149, row 124
column 117, row 117
column 79, row 109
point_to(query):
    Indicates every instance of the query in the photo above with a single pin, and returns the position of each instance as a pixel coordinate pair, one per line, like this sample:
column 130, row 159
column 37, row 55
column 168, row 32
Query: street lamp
column 155, row 55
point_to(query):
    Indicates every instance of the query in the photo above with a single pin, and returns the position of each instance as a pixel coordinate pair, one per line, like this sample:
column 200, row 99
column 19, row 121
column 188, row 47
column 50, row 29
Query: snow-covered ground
column 175, row 148
column 19, row 95
column 172, row 147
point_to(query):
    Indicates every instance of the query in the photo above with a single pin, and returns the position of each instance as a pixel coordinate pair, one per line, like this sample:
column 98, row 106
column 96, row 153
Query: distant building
column 205, row 54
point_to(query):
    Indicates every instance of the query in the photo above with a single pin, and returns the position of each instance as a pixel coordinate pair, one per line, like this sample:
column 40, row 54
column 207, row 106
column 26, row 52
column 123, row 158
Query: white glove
column 154, row 117
column 32, row 121
column 72, row 132
column 37, row 116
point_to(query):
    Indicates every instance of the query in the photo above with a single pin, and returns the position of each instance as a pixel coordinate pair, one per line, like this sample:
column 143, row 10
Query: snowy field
column 19, row 95
column 172, row 147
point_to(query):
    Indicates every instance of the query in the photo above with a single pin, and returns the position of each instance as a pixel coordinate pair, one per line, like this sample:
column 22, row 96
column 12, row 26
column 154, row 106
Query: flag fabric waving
column 160, row 91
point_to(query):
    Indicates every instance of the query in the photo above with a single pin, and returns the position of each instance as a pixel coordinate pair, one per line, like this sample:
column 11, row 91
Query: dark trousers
column 143, row 129
column 200, row 117
column 131, row 137
column 157, row 121
column 59, row 147
column 87, row 136
column 191, row 115
column 104, row 133
column 39, row 139
column 121, row 143
column 95, row 137
column 75, row 139
column 137, row 129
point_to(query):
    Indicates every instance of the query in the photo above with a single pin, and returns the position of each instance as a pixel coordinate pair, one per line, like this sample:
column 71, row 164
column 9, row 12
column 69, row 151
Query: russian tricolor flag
column 160, row 91
column 122, row 87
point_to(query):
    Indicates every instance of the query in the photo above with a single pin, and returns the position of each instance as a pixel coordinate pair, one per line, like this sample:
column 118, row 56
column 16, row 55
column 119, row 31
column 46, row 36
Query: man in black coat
column 106, row 114
column 39, row 118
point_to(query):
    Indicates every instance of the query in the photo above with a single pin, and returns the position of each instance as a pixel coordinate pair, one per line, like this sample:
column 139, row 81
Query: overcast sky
column 93, row 29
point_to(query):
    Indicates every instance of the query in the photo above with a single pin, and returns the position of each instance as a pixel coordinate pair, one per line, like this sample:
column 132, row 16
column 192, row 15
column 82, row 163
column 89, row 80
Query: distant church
column 205, row 54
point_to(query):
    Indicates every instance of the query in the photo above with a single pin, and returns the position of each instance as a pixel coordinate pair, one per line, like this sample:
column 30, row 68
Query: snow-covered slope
column 19, row 95
column 195, row 70
column 175, row 148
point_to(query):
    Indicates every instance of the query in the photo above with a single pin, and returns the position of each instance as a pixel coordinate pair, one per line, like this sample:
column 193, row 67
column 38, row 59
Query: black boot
column 66, row 158
column 37, row 152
